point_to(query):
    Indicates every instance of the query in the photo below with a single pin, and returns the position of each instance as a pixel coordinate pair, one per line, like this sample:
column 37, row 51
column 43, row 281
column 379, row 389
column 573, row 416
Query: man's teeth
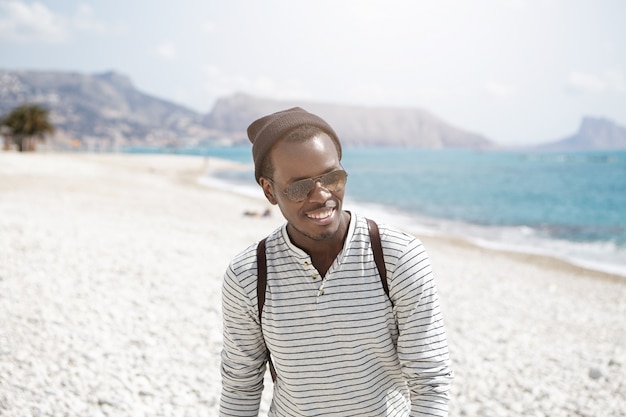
column 321, row 215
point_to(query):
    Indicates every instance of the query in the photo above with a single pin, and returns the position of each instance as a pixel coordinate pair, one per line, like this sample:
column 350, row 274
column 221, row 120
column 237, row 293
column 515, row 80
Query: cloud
column 523, row 4
column 500, row 90
column 608, row 81
column 35, row 22
column 218, row 84
column 615, row 81
column 209, row 27
column 514, row 4
column 85, row 21
column 31, row 23
column 166, row 51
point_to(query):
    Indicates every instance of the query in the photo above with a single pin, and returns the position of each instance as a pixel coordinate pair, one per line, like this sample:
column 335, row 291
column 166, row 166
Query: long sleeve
column 343, row 351
column 422, row 344
column 244, row 353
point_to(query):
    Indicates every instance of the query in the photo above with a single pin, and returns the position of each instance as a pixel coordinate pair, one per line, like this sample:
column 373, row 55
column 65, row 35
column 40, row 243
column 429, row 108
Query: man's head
column 298, row 164
column 296, row 123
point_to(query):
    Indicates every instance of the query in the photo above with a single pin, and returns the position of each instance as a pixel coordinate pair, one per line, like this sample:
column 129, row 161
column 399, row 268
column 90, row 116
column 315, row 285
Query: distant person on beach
column 346, row 333
column 265, row 213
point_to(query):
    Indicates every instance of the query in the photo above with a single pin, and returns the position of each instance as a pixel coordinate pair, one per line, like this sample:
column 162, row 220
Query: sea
column 571, row 206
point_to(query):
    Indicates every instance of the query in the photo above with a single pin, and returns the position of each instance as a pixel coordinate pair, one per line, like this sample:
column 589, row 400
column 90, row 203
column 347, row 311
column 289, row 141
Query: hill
column 102, row 110
column 593, row 134
column 105, row 111
column 356, row 126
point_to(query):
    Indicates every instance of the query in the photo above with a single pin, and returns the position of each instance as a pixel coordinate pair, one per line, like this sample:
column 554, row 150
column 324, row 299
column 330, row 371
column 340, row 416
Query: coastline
column 110, row 275
column 422, row 227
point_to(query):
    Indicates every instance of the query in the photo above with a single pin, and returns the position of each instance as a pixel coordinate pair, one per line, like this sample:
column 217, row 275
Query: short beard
column 317, row 238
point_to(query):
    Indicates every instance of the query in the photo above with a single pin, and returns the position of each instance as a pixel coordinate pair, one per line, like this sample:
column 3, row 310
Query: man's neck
column 324, row 252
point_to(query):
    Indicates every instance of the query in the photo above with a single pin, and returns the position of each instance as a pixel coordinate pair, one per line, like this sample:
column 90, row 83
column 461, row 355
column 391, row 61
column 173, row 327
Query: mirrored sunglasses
column 332, row 181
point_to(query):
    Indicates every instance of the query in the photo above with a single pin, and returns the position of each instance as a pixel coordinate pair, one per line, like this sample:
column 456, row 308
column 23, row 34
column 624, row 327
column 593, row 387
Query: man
column 340, row 345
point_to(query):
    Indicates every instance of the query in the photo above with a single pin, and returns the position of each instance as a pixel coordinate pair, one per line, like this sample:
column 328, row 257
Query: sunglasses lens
column 299, row 190
column 333, row 181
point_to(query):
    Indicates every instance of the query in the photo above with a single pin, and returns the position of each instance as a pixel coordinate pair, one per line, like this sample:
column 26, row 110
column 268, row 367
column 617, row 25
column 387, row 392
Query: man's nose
column 319, row 192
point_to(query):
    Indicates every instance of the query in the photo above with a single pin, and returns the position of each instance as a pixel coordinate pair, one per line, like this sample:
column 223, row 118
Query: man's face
column 318, row 217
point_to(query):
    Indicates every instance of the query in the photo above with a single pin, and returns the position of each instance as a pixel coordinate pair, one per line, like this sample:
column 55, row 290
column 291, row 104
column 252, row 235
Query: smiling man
column 348, row 333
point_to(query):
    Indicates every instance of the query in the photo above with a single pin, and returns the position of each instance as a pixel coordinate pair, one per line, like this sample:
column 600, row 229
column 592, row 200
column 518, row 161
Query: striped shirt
column 340, row 345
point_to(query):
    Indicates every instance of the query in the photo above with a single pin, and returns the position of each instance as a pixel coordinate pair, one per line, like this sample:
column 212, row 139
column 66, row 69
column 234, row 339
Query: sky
column 516, row 71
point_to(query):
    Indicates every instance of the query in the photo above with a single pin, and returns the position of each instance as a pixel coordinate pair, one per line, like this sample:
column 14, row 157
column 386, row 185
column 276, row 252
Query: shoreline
column 110, row 288
column 202, row 176
column 412, row 225
column 544, row 261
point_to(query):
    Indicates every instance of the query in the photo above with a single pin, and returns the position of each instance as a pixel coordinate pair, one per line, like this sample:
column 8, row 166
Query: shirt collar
column 299, row 253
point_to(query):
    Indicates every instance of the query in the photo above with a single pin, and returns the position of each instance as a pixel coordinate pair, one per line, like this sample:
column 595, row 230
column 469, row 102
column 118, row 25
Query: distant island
column 106, row 112
column 594, row 134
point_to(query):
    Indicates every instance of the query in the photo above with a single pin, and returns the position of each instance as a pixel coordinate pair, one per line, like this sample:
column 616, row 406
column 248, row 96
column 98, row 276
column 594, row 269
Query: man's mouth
column 321, row 214
column 324, row 212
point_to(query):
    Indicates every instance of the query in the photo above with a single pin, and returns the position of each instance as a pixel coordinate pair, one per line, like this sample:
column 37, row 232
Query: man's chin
column 318, row 233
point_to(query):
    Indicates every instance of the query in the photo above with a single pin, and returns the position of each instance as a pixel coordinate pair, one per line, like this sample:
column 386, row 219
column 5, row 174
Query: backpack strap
column 378, row 254
column 261, row 274
column 261, row 285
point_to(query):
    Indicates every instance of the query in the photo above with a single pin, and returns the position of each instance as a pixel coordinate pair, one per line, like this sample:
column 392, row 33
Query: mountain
column 356, row 126
column 593, row 134
column 101, row 109
column 105, row 111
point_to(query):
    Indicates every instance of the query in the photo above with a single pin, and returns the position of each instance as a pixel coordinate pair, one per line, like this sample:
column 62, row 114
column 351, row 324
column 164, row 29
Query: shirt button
column 314, row 276
column 321, row 292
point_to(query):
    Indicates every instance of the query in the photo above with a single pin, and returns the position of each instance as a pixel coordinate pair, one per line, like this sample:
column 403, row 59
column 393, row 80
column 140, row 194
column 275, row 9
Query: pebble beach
column 110, row 299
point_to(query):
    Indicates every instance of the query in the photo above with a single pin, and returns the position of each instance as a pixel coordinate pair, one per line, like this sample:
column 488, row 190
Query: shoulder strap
column 261, row 285
column 378, row 253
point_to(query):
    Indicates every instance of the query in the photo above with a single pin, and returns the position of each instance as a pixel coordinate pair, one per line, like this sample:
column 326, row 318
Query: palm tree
column 27, row 122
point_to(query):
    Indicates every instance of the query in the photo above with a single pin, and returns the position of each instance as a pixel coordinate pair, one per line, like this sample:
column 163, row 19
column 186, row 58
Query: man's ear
column 268, row 190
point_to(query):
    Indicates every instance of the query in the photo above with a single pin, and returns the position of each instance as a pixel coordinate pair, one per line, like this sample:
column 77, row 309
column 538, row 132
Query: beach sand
column 110, row 299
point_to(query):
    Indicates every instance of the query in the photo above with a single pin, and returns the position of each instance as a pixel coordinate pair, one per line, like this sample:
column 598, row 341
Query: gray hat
column 266, row 131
